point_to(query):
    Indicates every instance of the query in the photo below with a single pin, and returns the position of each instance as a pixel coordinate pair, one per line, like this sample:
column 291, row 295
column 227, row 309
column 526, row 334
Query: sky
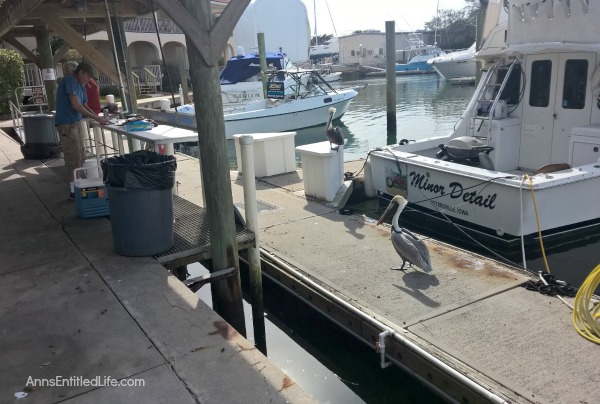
column 352, row 15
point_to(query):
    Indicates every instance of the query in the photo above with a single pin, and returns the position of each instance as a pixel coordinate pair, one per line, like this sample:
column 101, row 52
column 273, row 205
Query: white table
column 159, row 135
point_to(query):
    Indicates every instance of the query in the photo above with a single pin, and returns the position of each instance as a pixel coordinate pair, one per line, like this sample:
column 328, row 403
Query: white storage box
column 273, row 153
column 323, row 170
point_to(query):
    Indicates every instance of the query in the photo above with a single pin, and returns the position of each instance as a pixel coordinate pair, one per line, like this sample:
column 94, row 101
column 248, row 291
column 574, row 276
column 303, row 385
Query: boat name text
column 454, row 190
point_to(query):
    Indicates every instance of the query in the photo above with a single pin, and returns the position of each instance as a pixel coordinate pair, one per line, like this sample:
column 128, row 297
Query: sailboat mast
column 315, row 12
column 437, row 20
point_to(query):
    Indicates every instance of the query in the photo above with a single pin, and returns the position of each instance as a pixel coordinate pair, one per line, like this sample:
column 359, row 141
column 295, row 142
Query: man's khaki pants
column 72, row 147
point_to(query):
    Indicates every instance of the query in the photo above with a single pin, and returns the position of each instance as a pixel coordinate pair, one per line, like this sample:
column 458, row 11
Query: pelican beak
column 385, row 213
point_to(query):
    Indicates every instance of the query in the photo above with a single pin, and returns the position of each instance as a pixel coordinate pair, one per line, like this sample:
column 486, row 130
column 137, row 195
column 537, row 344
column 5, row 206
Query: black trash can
column 41, row 141
column 140, row 202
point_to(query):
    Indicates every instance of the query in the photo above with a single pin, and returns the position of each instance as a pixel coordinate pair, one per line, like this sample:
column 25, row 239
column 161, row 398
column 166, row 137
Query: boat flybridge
column 524, row 156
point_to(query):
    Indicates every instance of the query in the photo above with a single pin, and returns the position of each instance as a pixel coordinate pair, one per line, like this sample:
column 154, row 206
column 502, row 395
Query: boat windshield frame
column 302, row 90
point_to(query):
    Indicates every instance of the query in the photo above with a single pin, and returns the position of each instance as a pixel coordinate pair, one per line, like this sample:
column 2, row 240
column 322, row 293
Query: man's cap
column 86, row 68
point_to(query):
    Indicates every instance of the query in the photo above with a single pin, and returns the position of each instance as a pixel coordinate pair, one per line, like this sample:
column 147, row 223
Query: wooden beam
column 60, row 52
column 223, row 27
column 209, row 42
column 195, row 31
column 88, row 51
column 94, row 10
column 20, row 32
column 21, row 48
column 15, row 11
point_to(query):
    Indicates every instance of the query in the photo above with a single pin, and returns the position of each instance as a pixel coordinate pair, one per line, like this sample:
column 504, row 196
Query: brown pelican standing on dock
column 408, row 246
column 333, row 133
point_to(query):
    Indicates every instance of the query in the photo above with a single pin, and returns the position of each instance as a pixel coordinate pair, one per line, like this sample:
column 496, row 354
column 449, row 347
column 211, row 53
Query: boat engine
column 463, row 149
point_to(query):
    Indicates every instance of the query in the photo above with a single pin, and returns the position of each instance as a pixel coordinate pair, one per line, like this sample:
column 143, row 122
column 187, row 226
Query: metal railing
column 146, row 24
column 32, row 75
column 17, row 119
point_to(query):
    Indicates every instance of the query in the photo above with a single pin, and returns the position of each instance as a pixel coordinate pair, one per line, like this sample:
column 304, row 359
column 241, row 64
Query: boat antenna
column 315, row 13
column 437, row 20
column 331, row 18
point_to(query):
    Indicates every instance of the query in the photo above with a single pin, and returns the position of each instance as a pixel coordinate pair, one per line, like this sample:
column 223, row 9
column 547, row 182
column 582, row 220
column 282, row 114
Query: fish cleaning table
column 159, row 135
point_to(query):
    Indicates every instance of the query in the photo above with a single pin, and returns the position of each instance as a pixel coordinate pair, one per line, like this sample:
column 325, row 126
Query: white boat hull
column 285, row 115
column 488, row 199
column 456, row 69
column 456, row 65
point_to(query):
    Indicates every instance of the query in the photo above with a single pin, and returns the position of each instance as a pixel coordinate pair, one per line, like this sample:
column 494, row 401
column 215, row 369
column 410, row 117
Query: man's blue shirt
column 65, row 114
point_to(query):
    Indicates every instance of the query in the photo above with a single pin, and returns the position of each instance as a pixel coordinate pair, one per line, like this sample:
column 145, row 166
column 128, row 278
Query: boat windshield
column 241, row 68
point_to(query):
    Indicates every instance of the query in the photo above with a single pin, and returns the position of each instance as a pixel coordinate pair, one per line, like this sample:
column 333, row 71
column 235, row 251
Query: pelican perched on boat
column 408, row 246
column 333, row 133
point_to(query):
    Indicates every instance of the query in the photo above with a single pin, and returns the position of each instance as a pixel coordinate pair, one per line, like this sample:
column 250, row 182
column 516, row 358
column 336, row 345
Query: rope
column 537, row 219
column 586, row 317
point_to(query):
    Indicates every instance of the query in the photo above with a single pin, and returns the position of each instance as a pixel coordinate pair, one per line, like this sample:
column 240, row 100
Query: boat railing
column 486, row 105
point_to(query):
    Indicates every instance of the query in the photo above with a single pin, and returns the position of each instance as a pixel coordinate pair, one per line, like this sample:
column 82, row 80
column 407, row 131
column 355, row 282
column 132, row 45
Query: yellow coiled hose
column 586, row 314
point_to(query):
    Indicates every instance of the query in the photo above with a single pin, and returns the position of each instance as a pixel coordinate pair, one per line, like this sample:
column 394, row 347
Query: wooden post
column 227, row 293
column 128, row 94
column 42, row 40
column 390, row 74
column 262, row 54
column 180, row 58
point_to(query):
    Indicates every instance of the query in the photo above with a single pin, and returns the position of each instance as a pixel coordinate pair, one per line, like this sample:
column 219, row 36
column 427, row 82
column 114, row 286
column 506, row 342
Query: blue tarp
column 240, row 68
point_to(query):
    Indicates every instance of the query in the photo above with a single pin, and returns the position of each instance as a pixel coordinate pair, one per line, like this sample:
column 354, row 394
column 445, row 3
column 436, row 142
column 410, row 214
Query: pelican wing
column 412, row 249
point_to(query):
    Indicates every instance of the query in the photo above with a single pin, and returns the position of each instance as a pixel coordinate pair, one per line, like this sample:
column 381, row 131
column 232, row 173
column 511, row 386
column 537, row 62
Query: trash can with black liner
column 40, row 141
column 140, row 202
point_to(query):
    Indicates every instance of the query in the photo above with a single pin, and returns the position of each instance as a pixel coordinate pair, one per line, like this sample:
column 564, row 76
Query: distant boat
column 422, row 53
column 241, row 78
column 456, row 66
column 327, row 49
column 289, row 107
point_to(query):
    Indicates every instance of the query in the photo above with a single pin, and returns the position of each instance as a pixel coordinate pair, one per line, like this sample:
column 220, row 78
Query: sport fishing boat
column 422, row 53
column 287, row 107
column 524, row 156
column 241, row 79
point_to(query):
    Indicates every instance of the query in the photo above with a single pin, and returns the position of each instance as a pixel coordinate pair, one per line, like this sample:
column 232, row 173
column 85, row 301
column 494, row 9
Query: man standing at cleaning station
column 71, row 107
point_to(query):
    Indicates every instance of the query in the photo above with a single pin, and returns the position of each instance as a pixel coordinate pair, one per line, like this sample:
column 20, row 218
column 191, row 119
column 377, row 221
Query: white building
column 368, row 48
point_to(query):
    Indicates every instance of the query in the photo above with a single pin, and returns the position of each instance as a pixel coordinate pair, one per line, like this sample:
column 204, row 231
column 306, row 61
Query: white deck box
column 323, row 170
column 273, row 153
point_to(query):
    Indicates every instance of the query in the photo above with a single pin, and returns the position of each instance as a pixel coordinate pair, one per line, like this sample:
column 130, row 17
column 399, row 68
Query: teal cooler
column 91, row 198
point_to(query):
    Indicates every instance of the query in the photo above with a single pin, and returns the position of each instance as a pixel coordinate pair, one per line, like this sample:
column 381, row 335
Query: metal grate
column 192, row 236
column 57, row 164
column 190, row 228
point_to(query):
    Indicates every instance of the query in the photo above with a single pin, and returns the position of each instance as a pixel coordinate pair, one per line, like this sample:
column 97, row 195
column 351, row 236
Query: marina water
column 331, row 365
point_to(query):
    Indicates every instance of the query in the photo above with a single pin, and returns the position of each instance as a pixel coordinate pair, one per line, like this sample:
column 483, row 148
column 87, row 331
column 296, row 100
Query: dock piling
column 250, row 210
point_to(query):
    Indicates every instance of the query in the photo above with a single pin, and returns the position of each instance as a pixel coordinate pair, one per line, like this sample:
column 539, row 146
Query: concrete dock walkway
column 73, row 312
column 72, row 307
column 470, row 313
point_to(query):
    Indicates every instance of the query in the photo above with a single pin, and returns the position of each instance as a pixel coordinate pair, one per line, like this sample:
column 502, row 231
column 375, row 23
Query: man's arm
column 85, row 111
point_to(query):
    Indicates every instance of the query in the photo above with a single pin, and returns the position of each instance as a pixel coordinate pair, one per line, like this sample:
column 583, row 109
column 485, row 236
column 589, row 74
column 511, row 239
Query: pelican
column 333, row 133
column 408, row 246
